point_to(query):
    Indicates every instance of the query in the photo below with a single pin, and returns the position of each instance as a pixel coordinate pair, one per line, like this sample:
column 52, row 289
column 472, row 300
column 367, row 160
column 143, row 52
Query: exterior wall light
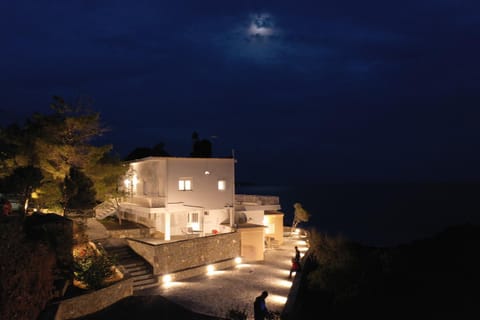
column 210, row 269
column 238, row 260
column 167, row 278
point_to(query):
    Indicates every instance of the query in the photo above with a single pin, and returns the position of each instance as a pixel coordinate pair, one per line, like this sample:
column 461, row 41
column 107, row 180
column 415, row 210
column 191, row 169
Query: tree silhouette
column 142, row 152
column 301, row 215
column 159, row 150
column 201, row 148
column 79, row 193
column 139, row 153
column 23, row 181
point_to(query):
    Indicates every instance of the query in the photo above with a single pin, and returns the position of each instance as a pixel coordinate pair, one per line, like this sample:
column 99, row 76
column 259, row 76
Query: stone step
column 146, row 277
column 139, row 273
column 132, row 264
column 122, row 257
column 136, row 266
column 145, row 286
column 144, row 282
column 143, row 277
column 120, row 251
column 142, row 267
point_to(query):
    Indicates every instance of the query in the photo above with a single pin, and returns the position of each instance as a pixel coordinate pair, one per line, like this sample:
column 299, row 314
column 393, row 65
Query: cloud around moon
column 261, row 25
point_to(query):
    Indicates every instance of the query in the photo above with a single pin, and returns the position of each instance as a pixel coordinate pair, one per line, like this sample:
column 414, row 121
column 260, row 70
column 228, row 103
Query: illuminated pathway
column 236, row 288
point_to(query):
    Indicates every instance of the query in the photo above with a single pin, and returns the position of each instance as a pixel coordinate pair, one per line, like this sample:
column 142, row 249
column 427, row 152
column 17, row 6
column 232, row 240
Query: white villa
column 180, row 196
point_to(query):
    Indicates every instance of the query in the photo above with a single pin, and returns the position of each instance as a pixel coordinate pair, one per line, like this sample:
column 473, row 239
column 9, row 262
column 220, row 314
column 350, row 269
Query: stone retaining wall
column 201, row 270
column 130, row 233
column 94, row 301
column 176, row 256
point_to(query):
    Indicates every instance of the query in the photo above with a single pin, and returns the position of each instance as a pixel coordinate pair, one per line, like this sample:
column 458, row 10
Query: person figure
column 260, row 310
column 6, row 208
column 294, row 267
column 297, row 254
column 297, row 258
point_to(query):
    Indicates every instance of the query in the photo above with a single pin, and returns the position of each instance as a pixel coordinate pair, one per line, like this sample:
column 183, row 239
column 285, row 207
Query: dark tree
column 138, row 153
column 79, row 192
column 142, row 152
column 22, row 182
column 53, row 143
column 202, row 148
column 159, row 150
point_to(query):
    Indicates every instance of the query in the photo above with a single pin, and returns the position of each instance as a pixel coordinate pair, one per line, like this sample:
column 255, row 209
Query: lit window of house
column 193, row 217
column 194, row 221
column 185, row 184
column 222, row 184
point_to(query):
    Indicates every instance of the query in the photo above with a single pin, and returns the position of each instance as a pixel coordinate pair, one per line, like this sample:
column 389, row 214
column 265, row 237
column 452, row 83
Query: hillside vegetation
column 435, row 277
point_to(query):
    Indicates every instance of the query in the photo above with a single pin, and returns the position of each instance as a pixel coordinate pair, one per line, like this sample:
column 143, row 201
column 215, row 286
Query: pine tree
column 301, row 215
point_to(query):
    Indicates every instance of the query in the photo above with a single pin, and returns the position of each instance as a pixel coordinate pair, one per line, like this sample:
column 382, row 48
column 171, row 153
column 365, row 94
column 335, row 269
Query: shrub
column 237, row 314
column 92, row 266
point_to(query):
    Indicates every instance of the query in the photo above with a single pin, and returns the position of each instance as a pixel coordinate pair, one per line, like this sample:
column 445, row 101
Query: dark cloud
column 355, row 89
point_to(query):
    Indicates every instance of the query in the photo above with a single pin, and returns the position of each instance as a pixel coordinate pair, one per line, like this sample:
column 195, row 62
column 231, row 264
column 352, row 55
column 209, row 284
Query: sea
column 378, row 214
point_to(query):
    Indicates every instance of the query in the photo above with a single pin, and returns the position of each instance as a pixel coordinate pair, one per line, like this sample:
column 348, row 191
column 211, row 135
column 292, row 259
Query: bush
column 237, row 314
column 92, row 267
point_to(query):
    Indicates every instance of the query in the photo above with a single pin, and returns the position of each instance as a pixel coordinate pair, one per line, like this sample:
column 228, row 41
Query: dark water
column 379, row 214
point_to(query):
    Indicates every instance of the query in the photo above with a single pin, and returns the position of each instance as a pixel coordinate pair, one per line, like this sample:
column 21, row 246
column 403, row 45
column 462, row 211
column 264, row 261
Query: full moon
column 261, row 25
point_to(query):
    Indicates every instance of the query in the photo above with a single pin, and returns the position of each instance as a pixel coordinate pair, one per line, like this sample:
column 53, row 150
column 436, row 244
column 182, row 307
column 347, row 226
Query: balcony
column 147, row 202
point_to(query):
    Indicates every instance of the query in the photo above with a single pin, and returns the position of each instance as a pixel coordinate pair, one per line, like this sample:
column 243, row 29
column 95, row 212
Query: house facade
column 179, row 196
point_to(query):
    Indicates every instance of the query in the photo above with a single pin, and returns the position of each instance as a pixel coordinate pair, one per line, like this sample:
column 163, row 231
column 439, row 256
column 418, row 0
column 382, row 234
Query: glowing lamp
column 167, row 278
column 210, row 269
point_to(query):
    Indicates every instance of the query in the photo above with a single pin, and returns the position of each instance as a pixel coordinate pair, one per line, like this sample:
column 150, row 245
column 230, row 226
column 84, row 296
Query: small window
column 193, row 217
column 185, row 184
column 194, row 221
column 222, row 185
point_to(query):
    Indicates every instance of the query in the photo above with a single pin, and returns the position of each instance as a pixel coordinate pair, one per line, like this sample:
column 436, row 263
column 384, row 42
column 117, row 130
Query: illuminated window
column 194, row 221
column 222, row 184
column 185, row 184
column 193, row 217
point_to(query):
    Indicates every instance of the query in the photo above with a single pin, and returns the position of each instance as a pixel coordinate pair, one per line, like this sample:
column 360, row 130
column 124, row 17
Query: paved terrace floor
column 216, row 293
column 236, row 288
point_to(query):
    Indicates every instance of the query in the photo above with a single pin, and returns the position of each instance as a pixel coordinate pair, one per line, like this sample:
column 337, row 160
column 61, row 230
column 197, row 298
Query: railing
column 148, row 202
column 145, row 218
column 256, row 199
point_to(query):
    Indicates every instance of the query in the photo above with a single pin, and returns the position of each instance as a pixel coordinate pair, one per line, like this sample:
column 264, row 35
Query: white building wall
column 151, row 175
column 255, row 216
column 204, row 191
column 213, row 219
column 157, row 189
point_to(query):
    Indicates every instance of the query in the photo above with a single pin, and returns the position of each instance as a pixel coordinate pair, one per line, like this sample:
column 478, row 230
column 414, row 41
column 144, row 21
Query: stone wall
column 94, row 301
column 176, row 256
column 131, row 233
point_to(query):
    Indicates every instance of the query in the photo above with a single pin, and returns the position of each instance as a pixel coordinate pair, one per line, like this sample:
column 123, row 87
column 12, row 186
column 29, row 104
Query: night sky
column 317, row 91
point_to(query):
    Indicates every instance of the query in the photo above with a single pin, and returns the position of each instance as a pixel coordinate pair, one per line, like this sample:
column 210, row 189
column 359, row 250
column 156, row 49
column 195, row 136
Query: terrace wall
column 191, row 254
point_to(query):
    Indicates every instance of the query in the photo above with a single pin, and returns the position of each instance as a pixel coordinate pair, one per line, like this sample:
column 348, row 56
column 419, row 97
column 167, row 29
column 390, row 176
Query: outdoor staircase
column 105, row 209
column 139, row 269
